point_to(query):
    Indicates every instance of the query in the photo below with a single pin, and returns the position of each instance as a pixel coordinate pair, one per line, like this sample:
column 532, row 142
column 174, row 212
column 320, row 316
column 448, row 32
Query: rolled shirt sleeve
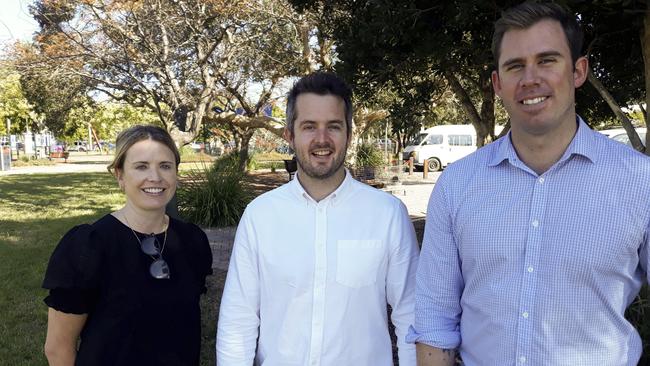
column 239, row 315
column 439, row 281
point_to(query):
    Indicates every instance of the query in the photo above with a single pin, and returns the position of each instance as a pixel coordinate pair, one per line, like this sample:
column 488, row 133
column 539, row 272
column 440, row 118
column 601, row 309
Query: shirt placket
column 320, row 276
column 526, row 314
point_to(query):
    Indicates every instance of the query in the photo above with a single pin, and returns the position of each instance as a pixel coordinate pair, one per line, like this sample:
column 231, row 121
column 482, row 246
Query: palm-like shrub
column 215, row 195
column 368, row 155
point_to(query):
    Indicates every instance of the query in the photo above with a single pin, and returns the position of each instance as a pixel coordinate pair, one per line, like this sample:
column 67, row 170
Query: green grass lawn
column 35, row 212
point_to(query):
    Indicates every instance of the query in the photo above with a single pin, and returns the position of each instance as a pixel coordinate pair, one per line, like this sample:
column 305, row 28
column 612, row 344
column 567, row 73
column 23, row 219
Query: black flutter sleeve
column 72, row 274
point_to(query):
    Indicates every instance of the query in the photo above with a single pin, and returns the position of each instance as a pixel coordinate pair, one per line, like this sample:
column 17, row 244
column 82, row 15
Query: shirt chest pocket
column 358, row 261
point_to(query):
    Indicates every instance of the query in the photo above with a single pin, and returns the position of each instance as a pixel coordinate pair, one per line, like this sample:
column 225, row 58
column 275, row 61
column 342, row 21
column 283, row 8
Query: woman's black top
column 133, row 318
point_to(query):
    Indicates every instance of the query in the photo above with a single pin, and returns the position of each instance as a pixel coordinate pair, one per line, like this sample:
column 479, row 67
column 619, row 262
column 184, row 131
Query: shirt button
column 530, row 269
column 541, row 180
column 535, row 223
column 522, row 359
column 525, row 314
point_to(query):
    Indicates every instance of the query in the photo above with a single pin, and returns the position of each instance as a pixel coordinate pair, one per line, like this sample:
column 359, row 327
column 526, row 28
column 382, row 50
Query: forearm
column 59, row 356
column 432, row 356
column 63, row 331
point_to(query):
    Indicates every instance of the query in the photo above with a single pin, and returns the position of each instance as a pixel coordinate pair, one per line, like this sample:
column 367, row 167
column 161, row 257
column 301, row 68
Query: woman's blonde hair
column 132, row 135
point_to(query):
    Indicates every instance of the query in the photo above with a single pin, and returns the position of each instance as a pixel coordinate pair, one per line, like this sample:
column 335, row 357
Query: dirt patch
column 264, row 181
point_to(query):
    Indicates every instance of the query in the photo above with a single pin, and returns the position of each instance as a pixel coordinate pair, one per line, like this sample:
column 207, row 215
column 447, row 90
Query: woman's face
column 148, row 176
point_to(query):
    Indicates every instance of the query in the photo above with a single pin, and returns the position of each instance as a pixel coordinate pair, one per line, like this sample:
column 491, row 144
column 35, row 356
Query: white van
column 442, row 145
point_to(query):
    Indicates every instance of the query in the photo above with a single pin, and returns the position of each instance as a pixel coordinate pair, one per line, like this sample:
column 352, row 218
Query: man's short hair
column 321, row 83
column 527, row 14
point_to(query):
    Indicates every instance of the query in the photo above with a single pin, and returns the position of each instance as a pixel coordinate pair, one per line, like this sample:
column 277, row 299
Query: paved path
column 77, row 162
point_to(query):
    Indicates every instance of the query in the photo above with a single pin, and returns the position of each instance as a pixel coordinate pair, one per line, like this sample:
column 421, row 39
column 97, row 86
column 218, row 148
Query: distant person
column 536, row 244
column 317, row 260
column 128, row 286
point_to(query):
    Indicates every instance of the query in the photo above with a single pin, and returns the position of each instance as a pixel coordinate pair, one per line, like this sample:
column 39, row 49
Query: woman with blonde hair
column 125, row 290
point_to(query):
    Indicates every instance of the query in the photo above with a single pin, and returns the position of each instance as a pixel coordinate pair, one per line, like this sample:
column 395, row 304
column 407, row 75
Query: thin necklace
column 138, row 238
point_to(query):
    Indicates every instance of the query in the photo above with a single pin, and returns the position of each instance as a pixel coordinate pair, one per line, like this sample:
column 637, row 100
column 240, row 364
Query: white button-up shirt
column 312, row 280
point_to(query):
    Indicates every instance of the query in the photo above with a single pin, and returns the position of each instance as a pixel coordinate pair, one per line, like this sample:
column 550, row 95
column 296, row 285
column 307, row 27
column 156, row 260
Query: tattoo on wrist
column 451, row 351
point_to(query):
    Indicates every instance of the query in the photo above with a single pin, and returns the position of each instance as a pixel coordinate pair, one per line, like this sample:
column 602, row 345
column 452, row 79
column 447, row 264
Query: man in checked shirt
column 536, row 244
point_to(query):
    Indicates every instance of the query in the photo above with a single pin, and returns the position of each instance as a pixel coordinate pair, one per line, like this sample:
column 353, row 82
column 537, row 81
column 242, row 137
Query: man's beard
column 318, row 172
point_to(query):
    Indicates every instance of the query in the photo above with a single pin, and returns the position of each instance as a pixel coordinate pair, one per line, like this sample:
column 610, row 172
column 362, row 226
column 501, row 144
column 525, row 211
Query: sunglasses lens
column 159, row 269
column 148, row 245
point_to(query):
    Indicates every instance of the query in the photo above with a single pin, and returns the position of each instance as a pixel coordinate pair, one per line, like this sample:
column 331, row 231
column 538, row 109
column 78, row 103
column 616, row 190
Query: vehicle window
column 460, row 140
column 417, row 140
column 433, row 140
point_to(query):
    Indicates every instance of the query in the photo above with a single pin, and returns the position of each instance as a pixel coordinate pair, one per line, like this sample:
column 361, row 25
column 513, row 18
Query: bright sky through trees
column 15, row 21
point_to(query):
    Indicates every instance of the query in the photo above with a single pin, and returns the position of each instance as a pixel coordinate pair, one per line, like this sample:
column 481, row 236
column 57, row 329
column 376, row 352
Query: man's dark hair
column 527, row 14
column 321, row 83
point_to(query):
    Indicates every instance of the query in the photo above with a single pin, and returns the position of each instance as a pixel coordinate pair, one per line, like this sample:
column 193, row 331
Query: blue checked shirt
column 525, row 269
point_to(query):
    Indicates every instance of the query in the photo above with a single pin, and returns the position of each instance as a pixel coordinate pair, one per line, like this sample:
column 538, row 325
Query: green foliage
column 106, row 118
column 369, row 155
column 227, row 161
column 13, row 104
column 613, row 38
column 252, row 163
column 215, row 195
column 255, row 160
column 52, row 91
column 414, row 52
column 118, row 51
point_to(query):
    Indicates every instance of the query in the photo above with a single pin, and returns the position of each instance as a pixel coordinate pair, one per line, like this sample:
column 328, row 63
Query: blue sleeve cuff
column 438, row 339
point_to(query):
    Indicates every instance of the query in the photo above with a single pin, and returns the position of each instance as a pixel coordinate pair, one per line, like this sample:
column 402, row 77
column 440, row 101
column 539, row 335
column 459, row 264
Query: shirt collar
column 300, row 192
column 582, row 144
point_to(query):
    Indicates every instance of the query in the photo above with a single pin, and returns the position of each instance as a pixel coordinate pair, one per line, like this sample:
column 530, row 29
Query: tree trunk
column 482, row 126
column 243, row 150
column 487, row 107
column 400, row 144
column 627, row 125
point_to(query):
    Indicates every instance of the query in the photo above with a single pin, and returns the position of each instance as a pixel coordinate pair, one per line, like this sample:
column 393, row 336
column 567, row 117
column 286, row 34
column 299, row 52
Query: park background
column 214, row 74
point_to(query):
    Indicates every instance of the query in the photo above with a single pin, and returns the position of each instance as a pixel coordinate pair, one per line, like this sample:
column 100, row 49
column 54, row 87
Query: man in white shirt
column 316, row 261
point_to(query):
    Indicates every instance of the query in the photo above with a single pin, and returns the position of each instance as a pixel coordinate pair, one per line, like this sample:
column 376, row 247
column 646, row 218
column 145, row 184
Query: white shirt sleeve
column 400, row 281
column 239, row 315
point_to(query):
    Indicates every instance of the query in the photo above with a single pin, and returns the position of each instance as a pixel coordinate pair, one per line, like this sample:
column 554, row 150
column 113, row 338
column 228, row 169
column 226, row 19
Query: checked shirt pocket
column 358, row 262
